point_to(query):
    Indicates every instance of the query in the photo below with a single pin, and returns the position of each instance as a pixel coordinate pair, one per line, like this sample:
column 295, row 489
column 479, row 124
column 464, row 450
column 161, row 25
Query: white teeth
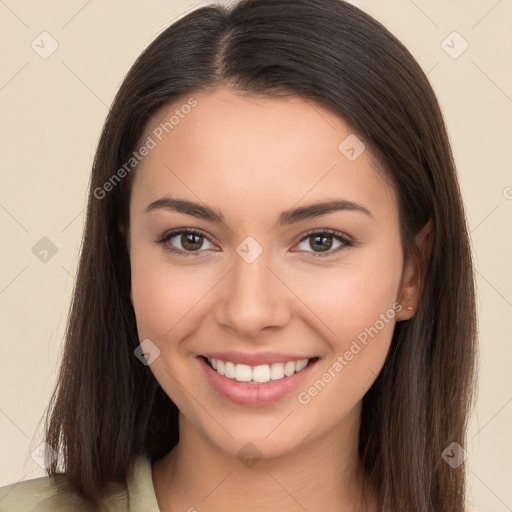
column 261, row 373
column 243, row 372
column 230, row 371
column 302, row 364
column 289, row 368
column 257, row 374
column 277, row 371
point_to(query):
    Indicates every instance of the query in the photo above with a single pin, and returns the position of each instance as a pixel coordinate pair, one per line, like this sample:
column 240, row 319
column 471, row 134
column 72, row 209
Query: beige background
column 52, row 110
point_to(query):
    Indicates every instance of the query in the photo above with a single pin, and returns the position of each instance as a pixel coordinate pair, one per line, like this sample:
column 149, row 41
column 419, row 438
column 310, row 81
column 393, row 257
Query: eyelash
column 335, row 234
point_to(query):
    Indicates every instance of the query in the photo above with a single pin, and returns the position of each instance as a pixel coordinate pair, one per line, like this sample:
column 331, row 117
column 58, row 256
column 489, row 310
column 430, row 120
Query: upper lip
column 256, row 358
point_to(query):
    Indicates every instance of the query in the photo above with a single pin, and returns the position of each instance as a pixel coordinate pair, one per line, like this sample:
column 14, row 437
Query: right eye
column 191, row 241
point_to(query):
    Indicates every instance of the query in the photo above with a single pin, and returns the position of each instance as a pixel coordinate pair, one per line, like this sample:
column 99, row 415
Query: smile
column 269, row 379
column 259, row 374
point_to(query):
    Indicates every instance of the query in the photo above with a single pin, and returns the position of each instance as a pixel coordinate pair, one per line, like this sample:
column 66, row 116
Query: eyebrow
column 285, row 218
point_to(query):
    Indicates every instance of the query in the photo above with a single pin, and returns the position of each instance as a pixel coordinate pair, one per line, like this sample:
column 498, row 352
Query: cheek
column 355, row 310
column 356, row 302
column 162, row 297
column 169, row 299
column 355, row 307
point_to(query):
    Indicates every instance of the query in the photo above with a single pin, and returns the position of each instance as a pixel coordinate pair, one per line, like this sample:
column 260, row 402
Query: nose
column 255, row 299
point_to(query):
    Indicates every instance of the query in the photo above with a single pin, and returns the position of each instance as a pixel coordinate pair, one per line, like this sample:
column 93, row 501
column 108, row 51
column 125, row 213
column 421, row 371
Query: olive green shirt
column 53, row 494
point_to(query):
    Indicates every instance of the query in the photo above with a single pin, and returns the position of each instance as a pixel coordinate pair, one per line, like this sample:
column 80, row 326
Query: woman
column 274, row 308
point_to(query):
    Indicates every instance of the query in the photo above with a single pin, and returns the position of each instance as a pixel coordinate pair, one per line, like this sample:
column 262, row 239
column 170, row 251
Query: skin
column 252, row 158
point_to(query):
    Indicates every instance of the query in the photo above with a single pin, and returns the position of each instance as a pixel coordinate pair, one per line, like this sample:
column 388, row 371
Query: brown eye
column 322, row 242
column 184, row 242
column 191, row 241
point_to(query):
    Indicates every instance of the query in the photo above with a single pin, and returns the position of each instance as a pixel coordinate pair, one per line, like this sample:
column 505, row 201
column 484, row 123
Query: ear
column 413, row 276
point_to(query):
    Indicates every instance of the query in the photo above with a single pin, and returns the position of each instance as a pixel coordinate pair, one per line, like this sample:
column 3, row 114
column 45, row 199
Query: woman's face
column 265, row 285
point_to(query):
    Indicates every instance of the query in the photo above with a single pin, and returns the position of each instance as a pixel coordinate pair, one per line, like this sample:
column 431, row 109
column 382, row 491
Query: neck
column 323, row 474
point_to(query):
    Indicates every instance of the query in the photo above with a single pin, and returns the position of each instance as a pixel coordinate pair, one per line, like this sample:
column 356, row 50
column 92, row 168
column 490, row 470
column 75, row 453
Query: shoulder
column 54, row 494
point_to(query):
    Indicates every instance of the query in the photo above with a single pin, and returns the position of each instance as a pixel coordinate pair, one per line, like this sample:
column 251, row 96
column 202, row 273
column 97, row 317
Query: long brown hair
column 107, row 407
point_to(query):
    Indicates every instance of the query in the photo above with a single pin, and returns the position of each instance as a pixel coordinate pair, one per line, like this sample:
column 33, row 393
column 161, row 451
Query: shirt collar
column 141, row 492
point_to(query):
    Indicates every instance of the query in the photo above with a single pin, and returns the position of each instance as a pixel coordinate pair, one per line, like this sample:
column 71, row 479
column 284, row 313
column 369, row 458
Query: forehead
column 229, row 146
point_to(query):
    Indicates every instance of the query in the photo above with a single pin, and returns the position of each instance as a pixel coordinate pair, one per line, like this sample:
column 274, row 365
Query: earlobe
column 408, row 299
column 414, row 273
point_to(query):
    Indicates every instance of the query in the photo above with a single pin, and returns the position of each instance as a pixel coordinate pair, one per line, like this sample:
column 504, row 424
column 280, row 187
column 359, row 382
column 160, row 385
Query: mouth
column 257, row 385
column 259, row 374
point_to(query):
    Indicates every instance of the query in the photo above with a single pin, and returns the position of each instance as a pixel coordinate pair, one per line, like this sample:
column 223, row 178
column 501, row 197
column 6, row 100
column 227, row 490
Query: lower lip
column 254, row 395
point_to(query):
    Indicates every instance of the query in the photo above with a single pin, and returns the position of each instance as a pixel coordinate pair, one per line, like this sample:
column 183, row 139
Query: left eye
column 191, row 242
column 320, row 239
